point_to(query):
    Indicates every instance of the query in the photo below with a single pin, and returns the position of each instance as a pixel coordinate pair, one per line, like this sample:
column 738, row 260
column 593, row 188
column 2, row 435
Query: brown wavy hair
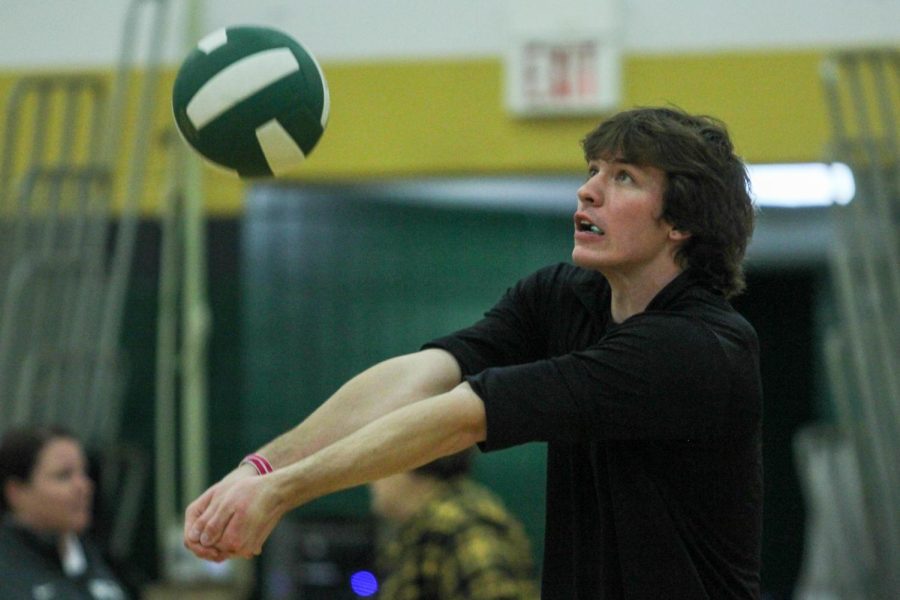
column 707, row 190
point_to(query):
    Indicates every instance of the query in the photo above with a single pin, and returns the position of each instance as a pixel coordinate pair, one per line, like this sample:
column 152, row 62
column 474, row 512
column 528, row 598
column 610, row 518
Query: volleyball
column 252, row 100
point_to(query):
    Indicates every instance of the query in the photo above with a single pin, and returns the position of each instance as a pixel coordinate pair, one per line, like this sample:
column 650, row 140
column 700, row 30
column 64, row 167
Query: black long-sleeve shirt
column 654, row 484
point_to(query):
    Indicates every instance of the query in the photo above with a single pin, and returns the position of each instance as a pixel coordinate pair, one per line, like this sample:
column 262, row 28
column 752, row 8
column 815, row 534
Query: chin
column 80, row 524
column 586, row 260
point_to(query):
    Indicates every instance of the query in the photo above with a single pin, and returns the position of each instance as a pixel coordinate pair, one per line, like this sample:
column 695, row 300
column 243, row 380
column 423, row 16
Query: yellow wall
column 446, row 117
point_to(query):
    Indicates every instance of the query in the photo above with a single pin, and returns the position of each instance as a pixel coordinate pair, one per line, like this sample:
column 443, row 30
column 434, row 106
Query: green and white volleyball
column 252, row 100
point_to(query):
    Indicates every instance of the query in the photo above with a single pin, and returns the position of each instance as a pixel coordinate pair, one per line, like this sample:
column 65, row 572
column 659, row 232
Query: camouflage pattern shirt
column 463, row 545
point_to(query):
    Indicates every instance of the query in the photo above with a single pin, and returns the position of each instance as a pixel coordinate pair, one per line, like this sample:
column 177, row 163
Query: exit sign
column 568, row 76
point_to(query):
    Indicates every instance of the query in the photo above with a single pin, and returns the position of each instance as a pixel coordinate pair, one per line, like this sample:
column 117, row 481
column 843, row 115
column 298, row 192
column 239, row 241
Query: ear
column 12, row 491
column 678, row 235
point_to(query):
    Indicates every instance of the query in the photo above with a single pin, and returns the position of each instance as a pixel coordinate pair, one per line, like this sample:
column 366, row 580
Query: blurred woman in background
column 46, row 506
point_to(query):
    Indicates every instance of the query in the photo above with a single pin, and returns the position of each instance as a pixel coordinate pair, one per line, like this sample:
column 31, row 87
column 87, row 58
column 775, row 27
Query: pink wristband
column 259, row 462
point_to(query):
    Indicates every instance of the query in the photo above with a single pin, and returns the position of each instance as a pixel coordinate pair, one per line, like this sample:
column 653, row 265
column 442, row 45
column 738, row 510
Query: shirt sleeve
column 512, row 332
column 658, row 375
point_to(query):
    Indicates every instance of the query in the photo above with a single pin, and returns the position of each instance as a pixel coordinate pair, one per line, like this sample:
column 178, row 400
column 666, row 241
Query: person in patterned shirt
column 446, row 537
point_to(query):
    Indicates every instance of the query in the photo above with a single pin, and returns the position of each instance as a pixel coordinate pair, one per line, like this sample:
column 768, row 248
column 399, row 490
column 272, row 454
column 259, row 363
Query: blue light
column 363, row 584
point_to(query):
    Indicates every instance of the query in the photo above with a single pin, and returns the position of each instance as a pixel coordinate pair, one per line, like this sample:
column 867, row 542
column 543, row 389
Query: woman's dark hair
column 19, row 451
column 707, row 190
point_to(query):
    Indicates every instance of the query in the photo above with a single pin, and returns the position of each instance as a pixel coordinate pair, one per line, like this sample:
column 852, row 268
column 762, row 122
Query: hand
column 232, row 518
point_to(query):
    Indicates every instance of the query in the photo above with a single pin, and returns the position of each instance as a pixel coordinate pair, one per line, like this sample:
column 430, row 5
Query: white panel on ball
column 239, row 81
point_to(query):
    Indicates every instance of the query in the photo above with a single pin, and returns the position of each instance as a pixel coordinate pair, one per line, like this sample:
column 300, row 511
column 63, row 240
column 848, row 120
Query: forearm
column 375, row 392
column 344, row 443
column 399, row 441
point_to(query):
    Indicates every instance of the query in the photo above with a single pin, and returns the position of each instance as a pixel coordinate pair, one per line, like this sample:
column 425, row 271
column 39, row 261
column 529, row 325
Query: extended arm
column 239, row 521
column 378, row 391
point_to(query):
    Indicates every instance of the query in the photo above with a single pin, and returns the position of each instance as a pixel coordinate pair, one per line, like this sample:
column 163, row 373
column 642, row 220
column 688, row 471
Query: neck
column 631, row 294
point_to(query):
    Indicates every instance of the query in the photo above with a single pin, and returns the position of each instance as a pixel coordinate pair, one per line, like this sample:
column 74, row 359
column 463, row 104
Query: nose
column 85, row 483
column 590, row 193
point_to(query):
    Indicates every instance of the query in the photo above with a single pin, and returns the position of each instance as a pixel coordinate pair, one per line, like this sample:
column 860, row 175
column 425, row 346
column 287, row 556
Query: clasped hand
column 233, row 517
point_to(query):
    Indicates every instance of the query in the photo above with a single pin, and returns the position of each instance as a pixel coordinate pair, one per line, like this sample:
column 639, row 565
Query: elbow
column 473, row 417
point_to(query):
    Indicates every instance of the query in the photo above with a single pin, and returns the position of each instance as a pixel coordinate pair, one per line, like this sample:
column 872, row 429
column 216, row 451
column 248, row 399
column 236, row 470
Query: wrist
column 258, row 462
column 282, row 490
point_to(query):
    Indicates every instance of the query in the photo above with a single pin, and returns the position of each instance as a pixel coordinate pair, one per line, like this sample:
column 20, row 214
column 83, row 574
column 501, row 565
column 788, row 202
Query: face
column 618, row 225
column 59, row 495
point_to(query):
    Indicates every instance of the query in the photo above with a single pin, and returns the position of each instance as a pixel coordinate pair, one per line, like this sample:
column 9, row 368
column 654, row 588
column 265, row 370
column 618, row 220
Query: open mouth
column 585, row 225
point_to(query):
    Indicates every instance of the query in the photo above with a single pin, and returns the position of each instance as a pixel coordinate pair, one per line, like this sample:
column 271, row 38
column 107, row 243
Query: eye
column 63, row 474
column 623, row 175
column 591, row 172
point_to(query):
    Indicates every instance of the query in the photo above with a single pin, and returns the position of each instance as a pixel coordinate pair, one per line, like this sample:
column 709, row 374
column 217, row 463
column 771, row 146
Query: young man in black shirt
column 630, row 364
